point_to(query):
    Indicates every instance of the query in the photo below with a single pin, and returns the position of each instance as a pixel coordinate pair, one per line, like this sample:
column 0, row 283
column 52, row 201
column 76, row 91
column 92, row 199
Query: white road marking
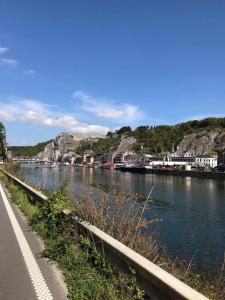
column 41, row 289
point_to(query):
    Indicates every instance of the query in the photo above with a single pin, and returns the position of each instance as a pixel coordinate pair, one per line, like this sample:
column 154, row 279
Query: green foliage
column 106, row 145
column 12, row 168
column 151, row 139
column 22, row 201
column 51, row 210
column 2, row 142
column 102, row 145
column 109, row 134
column 125, row 129
column 163, row 138
column 28, row 151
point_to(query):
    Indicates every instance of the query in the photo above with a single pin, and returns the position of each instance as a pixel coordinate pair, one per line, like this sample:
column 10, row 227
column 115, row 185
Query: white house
column 206, row 160
column 190, row 153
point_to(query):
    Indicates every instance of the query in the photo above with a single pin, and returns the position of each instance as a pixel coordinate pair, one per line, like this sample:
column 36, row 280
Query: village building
column 206, row 160
column 130, row 157
column 118, row 159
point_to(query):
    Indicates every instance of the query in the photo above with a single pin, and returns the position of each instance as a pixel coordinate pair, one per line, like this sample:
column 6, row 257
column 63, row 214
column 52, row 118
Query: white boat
column 148, row 167
column 129, row 165
column 54, row 165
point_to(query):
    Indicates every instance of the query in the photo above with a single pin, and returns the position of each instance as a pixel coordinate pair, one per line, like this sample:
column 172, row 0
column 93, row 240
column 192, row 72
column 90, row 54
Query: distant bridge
column 30, row 160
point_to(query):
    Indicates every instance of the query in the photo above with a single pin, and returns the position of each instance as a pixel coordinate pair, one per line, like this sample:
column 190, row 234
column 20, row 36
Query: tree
column 109, row 134
column 125, row 129
column 2, row 142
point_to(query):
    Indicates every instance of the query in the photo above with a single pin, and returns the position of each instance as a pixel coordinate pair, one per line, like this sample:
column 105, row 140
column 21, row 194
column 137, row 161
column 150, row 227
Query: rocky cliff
column 126, row 145
column 203, row 142
column 64, row 144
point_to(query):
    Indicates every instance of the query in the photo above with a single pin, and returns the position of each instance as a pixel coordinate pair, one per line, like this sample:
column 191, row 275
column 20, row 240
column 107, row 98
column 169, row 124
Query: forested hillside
column 153, row 139
column 28, row 151
column 162, row 138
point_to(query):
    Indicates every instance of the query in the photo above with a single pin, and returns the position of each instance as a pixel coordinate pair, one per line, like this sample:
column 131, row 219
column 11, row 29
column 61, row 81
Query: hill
column 28, row 151
column 210, row 133
column 204, row 136
column 164, row 138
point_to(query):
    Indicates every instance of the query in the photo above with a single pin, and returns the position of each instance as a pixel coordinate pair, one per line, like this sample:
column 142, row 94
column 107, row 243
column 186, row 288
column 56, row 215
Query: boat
column 54, row 165
column 148, row 167
column 79, row 165
column 133, row 168
column 117, row 166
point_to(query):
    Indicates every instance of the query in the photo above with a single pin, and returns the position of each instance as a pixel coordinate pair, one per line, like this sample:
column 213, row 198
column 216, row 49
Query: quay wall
column 157, row 283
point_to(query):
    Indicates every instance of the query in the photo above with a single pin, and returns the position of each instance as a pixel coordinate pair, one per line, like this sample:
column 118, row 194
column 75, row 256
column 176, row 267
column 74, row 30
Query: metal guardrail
column 157, row 283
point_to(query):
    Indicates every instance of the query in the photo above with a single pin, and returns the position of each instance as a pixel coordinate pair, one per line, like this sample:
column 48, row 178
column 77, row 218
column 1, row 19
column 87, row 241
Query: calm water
column 192, row 210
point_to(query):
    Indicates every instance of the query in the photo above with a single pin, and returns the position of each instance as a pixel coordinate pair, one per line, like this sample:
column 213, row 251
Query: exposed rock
column 126, row 145
column 202, row 143
column 64, row 144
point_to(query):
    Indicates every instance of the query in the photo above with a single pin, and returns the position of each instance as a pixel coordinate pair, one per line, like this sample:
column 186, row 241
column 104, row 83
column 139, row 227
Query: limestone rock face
column 64, row 144
column 202, row 143
column 48, row 152
column 126, row 145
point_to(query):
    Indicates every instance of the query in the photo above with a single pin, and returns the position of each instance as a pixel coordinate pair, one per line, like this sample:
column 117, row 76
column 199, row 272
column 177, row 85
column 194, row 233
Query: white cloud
column 3, row 49
column 35, row 112
column 30, row 72
column 106, row 109
column 9, row 61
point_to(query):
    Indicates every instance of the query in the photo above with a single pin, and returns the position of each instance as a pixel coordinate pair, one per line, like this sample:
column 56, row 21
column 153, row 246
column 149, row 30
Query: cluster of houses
column 188, row 161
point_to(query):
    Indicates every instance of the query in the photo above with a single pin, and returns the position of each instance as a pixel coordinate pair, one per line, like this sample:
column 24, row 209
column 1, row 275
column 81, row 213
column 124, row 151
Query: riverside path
column 24, row 275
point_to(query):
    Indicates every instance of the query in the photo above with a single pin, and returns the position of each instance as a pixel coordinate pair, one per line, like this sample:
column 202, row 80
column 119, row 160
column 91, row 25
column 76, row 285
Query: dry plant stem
column 189, row 265
column 220, row 280
column 108, row 213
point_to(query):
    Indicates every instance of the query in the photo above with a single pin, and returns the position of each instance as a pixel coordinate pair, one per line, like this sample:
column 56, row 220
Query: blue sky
column 89, row 66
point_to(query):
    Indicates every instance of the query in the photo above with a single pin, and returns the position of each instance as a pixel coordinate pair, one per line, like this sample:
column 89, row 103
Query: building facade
column 206, row 160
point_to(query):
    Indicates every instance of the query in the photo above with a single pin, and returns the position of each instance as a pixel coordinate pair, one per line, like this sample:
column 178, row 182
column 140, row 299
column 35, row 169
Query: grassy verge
column 87, row 274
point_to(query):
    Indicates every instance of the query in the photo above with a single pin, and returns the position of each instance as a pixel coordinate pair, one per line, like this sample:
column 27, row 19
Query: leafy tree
column 109, row 134
column 2, row 142
column 125, row 129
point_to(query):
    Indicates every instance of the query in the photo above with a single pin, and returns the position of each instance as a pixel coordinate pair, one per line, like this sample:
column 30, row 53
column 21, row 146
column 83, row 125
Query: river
column 191, row 210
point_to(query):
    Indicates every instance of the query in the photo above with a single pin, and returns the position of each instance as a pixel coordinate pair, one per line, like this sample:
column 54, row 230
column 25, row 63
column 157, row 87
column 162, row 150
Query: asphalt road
column 24, row 275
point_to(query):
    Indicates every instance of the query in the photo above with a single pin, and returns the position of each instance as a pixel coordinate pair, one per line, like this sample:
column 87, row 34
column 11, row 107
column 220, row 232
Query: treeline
column 28, row 151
